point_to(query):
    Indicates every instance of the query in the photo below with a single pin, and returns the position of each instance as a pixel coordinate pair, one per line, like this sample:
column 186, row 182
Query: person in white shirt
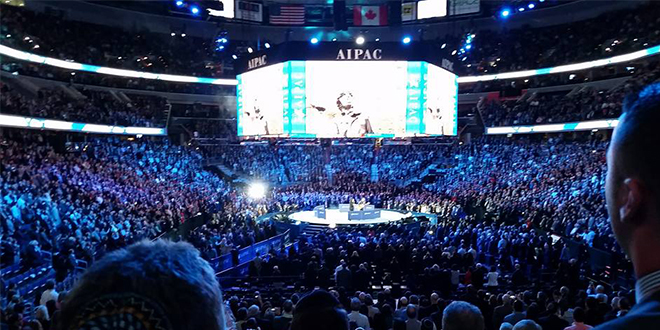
column 49, row 294
column 492, row 277
column 360, row 320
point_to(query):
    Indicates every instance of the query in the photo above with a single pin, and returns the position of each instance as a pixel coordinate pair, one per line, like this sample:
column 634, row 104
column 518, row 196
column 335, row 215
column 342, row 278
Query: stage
column 336, row 217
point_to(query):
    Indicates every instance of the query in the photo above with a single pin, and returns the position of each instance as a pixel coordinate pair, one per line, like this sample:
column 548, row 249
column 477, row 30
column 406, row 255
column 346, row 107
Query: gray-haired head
column 526, row 325
column 506, row 326
column 152, row 285
column 460, row 315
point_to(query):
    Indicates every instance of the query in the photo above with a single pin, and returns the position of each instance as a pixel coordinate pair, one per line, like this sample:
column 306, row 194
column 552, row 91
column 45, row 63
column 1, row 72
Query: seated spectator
column 168, row 281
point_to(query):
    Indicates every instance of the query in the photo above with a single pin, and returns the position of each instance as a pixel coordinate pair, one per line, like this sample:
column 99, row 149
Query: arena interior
column 313, row 164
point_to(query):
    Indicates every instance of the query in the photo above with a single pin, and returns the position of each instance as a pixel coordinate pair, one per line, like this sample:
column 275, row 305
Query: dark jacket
column 645, row 315
column 344, row 278
column 553, row 322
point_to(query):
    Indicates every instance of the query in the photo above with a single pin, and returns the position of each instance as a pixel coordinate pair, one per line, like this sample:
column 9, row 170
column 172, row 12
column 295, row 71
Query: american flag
column 287, row 15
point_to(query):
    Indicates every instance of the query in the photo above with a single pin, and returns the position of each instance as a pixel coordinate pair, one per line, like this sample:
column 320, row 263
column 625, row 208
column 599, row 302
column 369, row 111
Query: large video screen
column 337, row 99
column 260, row 99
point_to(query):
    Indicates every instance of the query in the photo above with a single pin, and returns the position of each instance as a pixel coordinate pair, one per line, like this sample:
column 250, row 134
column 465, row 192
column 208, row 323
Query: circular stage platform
column 337, row 217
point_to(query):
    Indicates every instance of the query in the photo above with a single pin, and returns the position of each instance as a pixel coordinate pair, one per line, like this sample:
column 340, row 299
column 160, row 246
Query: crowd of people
column 609, row 34
column 101, row 45
column 492, row 51
column 570, row 106
column 495, row 268
column 90, row 106
column 82, row 201
column 556, row 184
column 498, row 201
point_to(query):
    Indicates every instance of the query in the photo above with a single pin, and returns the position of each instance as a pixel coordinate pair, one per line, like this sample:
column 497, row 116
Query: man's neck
column 644, row 256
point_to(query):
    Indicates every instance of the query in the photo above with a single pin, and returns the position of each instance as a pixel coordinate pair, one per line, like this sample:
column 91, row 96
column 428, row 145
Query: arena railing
column 60, row 125
column 554, row 128
column 25, row 56
column 70, row 65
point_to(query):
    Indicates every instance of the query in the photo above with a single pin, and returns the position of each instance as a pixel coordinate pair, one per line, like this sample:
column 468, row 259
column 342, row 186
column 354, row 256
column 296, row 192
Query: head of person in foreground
column 148, row 285
column 460, row 315
column 632, row 188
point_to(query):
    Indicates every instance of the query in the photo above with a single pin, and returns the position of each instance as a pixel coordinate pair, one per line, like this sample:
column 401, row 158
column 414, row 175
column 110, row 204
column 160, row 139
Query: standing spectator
column 49, row 294
column 553, row 321
column 460, row 315
column 579, row 316
column 357, row 318
column 501, row 311
column 282, row 322
column 412, row 323
column 319, row 310
column 518, row 313
column 518, row 278
column 478, row 275
column 492, row 277
column 526, row 325
column 343, row 276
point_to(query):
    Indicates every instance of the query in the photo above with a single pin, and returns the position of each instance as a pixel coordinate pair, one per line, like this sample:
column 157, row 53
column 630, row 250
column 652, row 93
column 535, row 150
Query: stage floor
column 333, row 216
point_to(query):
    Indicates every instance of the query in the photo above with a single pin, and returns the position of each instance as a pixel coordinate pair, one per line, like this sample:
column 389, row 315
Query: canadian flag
column 370, row 15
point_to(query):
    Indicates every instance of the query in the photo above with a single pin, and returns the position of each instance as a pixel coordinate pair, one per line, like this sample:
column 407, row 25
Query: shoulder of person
column 643, row 316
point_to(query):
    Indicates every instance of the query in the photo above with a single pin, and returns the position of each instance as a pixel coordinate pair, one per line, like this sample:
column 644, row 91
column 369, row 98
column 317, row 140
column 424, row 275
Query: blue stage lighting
column 406, row 40
column 505, row 13
column 267, row 45
column 521, row 9
column 314, row 41
column 531, row 6
column 179, row 3
column 468, row 47
column 194, row 10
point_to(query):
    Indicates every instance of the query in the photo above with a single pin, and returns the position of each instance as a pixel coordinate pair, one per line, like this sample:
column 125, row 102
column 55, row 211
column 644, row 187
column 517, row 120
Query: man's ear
column 631, row 195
